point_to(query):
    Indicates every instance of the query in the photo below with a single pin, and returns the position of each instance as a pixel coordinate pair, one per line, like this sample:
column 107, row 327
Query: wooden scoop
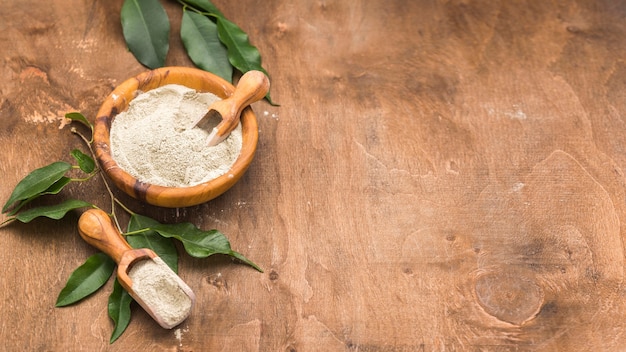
column 223, row 115
column 96, row 228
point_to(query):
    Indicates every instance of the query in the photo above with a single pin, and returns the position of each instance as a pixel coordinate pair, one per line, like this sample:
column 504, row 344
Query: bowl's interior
column 118, row 101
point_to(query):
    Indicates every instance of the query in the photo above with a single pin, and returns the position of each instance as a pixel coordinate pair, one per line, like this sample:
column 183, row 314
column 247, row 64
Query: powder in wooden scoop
column 151, row 141
column 159, row 288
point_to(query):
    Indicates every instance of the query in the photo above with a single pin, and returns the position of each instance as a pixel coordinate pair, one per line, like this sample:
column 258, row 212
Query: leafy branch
column 212, row 42
column 141, row 231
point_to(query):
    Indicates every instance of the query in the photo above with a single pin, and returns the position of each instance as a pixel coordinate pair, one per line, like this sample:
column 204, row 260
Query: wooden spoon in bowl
column 223, row 115
column 161, row 293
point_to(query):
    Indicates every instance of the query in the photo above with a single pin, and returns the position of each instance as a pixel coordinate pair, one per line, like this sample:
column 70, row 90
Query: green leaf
column 86, row 279
column 55, row 212
column 85, row 162
column 199, row 35
column 204, row 5
column 119, row 309
column 242, row 55
column 162, row 246
column 199, row 243
column 55, row 188
column 37, row 182
column 77, row 116
column 146, row 30
column 58, row 186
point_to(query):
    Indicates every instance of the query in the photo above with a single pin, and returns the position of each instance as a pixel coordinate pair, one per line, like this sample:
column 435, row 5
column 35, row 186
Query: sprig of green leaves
column 46, row 180
column 199, row 243
column 40, row 181
column 213, row 42
column 142, row 232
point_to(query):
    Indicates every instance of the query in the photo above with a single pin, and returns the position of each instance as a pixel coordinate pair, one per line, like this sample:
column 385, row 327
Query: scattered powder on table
column 159, row 288
column 152, row 142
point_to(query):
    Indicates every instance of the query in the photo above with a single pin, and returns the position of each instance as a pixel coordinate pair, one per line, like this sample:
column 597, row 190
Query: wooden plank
column 439, row 175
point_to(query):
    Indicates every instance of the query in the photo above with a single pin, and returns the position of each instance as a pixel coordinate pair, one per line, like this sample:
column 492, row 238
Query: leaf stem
column 87, row 142
column 199, row 11
column 114, row 200
column 186, row 5
column 84, row 178
column 130, row 212
column 136, row 232
column 7, row 221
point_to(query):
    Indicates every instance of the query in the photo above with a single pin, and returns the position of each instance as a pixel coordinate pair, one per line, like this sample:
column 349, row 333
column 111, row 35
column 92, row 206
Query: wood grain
column 439, row 176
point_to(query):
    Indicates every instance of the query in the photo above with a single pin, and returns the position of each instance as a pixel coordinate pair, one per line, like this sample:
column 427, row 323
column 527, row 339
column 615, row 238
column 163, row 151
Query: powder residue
column 152, row 140
column 160, row 289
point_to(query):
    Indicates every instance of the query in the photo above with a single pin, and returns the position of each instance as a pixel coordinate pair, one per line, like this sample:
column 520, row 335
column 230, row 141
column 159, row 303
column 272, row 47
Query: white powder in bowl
column 151, row 141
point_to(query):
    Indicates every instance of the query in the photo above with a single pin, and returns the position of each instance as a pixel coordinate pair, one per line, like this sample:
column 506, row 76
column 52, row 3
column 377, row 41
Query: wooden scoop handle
column 96, row 228
column 252, row 87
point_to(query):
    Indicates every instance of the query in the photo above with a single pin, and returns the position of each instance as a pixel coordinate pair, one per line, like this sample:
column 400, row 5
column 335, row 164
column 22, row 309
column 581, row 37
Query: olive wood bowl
column 171, row 197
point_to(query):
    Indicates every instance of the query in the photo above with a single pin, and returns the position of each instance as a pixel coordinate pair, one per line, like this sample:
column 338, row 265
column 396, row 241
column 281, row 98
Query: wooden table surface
column 439, row 176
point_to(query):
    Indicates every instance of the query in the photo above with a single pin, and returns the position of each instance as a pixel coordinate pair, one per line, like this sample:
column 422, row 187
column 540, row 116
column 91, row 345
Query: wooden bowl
column 171, row 197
